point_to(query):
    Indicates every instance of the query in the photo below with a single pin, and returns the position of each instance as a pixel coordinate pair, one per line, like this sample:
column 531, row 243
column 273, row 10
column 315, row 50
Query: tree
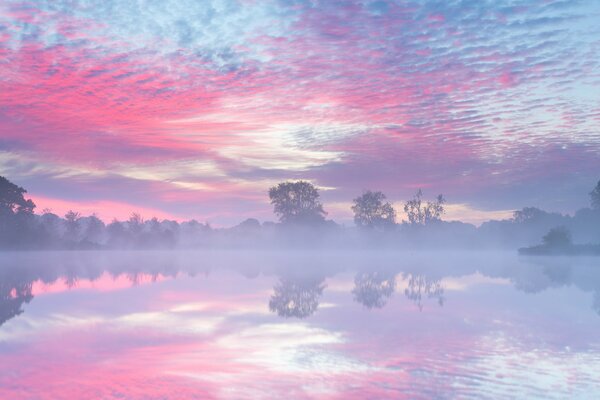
column 528, row 215
column 93, row 229
column 135, row 224
column 117, row 236
column 297, row 203
column 372, row 211
column 419, row 214
column 595, row 197
column 17, row 223
column 12, row 200
column 72, row 224
column 558, row 237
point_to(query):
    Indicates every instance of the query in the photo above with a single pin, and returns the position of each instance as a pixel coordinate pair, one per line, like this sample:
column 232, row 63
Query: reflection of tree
column 373, row 289
column 296, row 298
column 12, row 296
column 421, row 286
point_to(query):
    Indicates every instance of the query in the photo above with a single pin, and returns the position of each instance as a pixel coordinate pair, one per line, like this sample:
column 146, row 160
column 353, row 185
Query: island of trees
column 302, row 222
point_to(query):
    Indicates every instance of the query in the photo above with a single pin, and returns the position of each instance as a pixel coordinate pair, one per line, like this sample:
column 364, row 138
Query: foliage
column 12, row 200
column 297, row 203
column 72, row 224
column 419, row 214
column 372, row 211
column 557, row 237
column 529, row 215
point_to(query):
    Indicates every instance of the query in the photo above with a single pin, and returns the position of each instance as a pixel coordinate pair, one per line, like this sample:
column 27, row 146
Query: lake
column 296, row 325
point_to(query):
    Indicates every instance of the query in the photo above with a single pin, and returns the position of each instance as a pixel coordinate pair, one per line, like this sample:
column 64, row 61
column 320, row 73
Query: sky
column 193, row 109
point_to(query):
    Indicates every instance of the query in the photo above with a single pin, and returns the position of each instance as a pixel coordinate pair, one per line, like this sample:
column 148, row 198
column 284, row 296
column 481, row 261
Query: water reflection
column 373, row 289
column 246, row 326
column 423, row 287
column 293, row 295
column 13, row 294
column 297, row 297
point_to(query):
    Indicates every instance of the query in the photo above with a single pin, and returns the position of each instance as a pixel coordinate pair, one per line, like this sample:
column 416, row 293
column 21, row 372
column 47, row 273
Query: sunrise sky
column 193, row 109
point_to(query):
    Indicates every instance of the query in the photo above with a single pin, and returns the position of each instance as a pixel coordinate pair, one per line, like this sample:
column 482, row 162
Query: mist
column 301, row 223
column 293, row 199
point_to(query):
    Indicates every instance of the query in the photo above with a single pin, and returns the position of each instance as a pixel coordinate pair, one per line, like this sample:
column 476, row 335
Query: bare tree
column 419, row 214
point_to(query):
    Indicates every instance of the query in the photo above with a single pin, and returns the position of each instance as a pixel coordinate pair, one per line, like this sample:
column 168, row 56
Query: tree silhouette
column 373, row 289
column 12, row 200
column 72, row 225
column 16, row 216
column 558, row 237
column 297, row 203
column 297, row 298
column 528, row 215
column 419, row 214
column 371, row 211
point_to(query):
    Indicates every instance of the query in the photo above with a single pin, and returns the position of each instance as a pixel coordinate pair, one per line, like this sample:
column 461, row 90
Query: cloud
column 228, row 97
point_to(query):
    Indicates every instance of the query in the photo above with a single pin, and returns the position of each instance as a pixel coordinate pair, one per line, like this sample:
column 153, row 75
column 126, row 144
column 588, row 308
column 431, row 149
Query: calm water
column 253, row 325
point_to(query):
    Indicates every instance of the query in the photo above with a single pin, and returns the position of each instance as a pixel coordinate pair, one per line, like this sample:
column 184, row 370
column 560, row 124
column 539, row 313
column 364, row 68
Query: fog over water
column 299, row 199
column 306, row 324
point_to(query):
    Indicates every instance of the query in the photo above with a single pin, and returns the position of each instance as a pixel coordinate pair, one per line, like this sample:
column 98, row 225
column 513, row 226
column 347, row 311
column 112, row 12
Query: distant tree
column 297, row 203
column 12, row 200
column 435, row 209
column 595, row 197
column 528, row 214
column 419, row 214
column 50, row 224
column 249, row 224
column 93, row 229
column 117, row 236
column 72, row 224
column 135, row 224
column 372, row 211
column 557, row 237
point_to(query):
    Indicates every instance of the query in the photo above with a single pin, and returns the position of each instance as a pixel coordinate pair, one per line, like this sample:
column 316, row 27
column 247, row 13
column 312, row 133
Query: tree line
column 299, row 210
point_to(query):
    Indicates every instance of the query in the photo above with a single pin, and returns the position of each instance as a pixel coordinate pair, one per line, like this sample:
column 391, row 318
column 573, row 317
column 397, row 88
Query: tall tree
column 17, row 225
column 297, row 203
column 372, row 211
column 72, row 225
column 419, row 214
column 12, row 199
